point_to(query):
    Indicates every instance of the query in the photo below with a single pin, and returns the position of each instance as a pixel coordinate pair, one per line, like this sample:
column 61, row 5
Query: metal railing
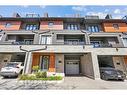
column 102, row 45
column 74, row 42
column 23, row 43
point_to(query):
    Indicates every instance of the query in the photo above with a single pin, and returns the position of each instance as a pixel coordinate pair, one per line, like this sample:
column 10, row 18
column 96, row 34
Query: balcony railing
column 102, row 45
column 74, row 42
column 23, row 43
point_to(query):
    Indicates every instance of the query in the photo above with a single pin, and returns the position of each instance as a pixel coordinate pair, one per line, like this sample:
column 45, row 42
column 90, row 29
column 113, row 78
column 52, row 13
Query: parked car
column 12, row 69
column 111, row 73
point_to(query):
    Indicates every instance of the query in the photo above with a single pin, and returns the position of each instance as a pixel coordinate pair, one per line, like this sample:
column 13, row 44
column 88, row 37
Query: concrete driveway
column 68, row 83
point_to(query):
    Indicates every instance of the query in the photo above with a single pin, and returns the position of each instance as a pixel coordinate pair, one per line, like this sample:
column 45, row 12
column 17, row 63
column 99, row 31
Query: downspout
column 28, row 51
column 86, row 35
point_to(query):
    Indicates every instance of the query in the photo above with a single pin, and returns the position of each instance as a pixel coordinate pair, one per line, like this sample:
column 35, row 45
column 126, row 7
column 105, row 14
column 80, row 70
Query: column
column 27, row 63
column 95, row 66
column 36, row 39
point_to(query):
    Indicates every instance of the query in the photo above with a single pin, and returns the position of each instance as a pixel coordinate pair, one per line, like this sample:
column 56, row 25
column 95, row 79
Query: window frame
column 50, row 26
column 116, row 26
column 41, row 62
column 8, row 24
column 93, row 28
column 31, row 27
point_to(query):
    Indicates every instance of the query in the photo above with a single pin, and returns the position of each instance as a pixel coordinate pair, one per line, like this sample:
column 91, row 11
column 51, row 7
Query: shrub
column 55, row 78
column 23, row 77
column 35, row 68
column 41, row 74
column 27, row 77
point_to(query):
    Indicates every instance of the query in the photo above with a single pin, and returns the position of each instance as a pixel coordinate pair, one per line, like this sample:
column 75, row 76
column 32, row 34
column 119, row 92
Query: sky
column 63, row 10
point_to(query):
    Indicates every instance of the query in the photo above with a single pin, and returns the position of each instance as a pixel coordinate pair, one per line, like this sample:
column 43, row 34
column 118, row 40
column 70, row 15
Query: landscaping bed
column 39, row 75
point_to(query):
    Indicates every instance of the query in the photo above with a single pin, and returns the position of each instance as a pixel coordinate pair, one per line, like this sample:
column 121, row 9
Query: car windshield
column 110, row 71
column 11, row 65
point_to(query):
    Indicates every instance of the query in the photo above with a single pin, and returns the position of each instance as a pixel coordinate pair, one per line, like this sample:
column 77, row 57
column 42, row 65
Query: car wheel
column 5, row 76
column 104, row 77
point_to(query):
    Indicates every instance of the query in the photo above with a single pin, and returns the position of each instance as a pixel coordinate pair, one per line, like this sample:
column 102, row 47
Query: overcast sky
column 60, row 11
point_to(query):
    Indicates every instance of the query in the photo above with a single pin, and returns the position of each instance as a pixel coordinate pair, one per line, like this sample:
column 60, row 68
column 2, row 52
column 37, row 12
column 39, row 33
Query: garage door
column 72, row 67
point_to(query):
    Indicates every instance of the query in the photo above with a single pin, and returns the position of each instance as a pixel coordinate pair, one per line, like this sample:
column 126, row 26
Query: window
column 44, row 62
column 93, row 28
column 116, row 26
column 0, row 37
column 31, row 27
column 72, row 26
column 125, row 42
column 7, row 25
column 45, row 39
column 50, row 24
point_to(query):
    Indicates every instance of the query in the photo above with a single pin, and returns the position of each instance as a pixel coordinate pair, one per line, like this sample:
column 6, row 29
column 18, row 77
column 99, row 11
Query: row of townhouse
column 64, row 45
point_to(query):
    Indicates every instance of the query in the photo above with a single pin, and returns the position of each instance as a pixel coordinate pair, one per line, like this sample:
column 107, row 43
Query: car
column 11, row 69
column 111, row 73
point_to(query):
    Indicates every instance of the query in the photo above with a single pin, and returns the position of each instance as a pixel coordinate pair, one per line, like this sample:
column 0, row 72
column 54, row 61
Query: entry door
column 44, row 63
column 72, row 67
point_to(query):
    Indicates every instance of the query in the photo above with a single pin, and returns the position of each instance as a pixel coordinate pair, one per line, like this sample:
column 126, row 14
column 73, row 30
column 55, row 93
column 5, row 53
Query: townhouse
column 64, row 45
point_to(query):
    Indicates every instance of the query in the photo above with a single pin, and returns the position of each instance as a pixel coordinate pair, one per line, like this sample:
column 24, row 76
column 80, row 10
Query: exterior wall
column 4, row 57
column 15, row 25
column 125, row 60
column 58, row 25
column 86, row 66
column 108, row 27
column 36, row 60
column 59, row 65
column 120, row 66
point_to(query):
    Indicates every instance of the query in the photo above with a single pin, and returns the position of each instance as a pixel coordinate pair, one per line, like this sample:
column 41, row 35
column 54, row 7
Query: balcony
column 107, row 45
column 74, row 42
column 23, row 42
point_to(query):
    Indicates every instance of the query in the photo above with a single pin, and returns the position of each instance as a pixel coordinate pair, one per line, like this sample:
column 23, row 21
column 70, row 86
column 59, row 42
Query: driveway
column 68, row 83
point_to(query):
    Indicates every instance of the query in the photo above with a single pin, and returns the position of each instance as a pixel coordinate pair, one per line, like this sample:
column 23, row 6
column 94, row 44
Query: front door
column 44, row 64
column 72, row 67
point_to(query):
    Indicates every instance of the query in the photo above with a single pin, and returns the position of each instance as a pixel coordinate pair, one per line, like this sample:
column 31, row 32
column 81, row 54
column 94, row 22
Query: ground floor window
column 44, row 62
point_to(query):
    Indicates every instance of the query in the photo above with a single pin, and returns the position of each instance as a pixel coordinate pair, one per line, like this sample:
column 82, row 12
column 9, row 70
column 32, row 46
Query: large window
column 93, row 28
column 0, row 37
column 125, row 42
column 31, row 27
column 72, row 26
column 45, row 39
column 7, row 25
column 44, row 62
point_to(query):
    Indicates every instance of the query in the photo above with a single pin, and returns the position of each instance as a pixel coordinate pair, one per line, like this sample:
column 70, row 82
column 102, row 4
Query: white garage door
column 72, row 67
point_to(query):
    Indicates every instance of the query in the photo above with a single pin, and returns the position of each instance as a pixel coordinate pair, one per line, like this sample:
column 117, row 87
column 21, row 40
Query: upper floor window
column 45, row 39
column 50, row 24
column 93, row 28
column 31, row 27
column 72, row 26
column 125, row 42
column 0, row 37
column 116, row 26
column 8, row 25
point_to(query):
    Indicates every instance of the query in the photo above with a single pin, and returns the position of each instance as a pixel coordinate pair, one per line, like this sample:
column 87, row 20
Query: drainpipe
column 28, row 51
column 86, row 36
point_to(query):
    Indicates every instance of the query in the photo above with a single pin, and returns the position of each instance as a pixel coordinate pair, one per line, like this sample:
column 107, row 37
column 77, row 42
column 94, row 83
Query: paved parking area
column 68, row 83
